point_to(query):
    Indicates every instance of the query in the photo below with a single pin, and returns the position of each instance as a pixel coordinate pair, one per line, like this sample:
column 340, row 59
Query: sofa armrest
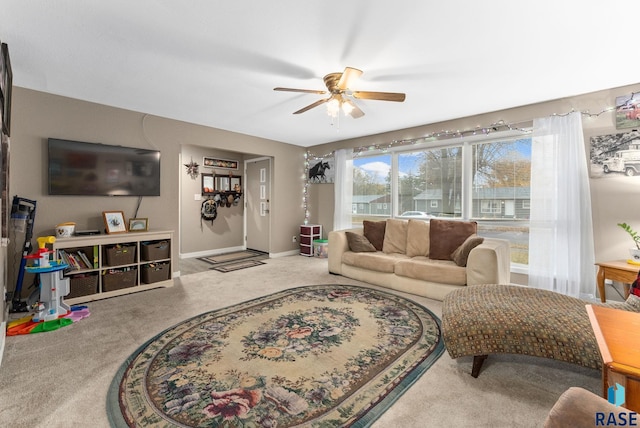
column 578, row 407
column 338, row 244
column 490, row 263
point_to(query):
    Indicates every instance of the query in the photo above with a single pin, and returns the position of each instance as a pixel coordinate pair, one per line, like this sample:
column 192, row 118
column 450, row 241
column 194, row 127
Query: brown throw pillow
column 447, row 235
column 461, row 254
column 374, row 232
column 359, row 243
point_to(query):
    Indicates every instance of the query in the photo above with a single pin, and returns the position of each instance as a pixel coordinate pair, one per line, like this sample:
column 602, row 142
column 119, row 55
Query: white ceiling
column 216, row 63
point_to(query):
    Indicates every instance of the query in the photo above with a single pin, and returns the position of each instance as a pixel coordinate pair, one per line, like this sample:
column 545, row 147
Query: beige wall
column 37, row 116
column 614, row 199
column 227, row 230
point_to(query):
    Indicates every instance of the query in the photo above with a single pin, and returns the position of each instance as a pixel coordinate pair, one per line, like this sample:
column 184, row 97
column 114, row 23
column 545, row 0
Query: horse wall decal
column 317, row 172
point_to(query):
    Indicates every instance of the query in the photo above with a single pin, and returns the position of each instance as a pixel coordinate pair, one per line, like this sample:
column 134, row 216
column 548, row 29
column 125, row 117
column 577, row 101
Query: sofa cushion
column 461, row 254
column 578, row 407
column 395, row 236
column 444, row 272
column 447, row 235
column 378, row 262
column 374, row 231
column 359, row 243
column 417, row 238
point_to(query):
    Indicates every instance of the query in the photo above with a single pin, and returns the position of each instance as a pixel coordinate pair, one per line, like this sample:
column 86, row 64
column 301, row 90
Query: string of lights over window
column 498, row 126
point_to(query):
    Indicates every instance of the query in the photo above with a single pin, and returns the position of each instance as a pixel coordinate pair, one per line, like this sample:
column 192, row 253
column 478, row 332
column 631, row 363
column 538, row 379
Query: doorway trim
column 246, row 161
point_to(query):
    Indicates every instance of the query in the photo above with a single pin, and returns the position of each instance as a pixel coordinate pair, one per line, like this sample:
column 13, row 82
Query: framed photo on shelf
column 219, row 163
column 114, row 221
column 138, row 224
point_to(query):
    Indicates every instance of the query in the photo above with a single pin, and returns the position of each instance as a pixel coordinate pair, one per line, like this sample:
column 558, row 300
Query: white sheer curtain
column 561, row 252
column 343, row 189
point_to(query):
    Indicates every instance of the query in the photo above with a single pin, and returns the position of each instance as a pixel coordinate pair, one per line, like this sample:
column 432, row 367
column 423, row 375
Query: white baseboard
column 231, row 249
column 210, row 252
column 284, row 254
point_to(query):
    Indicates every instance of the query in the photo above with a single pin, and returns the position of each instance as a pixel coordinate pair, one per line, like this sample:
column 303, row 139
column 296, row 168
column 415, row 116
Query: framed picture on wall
column 628, row 111
column 322, row 171
column 615, row 155
column 219, row 163
column 207, row 184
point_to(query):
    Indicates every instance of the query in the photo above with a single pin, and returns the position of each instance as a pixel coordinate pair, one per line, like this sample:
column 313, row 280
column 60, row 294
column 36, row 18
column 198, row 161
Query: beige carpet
column 61, row 378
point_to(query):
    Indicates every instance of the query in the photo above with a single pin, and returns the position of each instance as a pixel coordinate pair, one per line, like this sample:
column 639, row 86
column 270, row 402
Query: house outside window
column 372, row 185
column 484, row 181
column 490, row 207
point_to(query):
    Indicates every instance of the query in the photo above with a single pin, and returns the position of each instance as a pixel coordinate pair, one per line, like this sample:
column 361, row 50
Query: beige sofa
column 403, row 262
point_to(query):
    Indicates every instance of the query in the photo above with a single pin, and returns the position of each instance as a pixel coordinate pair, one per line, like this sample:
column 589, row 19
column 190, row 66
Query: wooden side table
column 618, row 335
column 616, row 270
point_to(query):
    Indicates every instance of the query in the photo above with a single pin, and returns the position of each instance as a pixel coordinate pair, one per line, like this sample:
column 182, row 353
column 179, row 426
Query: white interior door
column 258, row 190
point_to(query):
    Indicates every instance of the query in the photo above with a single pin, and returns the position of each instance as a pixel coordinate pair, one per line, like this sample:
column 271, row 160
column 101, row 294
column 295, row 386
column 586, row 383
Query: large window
column 430, row 181
column 371, row 188
column 483, row 181
column 500, row 194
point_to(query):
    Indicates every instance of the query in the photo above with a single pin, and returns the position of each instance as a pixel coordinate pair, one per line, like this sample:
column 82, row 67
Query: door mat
column 233, row 256
column 230, row 267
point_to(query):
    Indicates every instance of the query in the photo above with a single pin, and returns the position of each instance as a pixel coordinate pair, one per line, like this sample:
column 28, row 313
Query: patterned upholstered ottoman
column 505, row 319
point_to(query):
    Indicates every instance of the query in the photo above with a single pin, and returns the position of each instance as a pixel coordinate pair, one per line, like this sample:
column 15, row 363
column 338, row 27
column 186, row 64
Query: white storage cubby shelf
column 103, row 266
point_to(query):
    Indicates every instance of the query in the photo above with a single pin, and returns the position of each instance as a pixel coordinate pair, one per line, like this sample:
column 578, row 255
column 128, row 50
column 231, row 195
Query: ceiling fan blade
column 310, row 106
column 349, row 75
column 355, row 112
column 382, row 96
column 306, row 91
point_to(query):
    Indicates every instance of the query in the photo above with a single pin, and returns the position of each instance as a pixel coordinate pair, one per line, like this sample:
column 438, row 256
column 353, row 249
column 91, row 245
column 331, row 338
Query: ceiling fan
column 338, row 86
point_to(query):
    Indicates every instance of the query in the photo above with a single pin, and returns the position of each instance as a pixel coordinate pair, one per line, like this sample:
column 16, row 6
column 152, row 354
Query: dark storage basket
column 155, row 272
column 154, row 250
column 117, row 280
column 120, row 255
column 82, row 285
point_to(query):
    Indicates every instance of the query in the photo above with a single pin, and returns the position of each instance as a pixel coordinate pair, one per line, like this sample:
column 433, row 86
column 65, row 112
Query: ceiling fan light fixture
column 347, row 107
column 333, row 107
column 341, row 95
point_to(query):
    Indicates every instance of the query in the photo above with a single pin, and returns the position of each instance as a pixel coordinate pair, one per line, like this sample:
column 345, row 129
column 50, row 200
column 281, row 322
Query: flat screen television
column 90, row 169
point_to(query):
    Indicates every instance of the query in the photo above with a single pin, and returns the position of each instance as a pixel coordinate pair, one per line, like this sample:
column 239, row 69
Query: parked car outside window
column 415, row 214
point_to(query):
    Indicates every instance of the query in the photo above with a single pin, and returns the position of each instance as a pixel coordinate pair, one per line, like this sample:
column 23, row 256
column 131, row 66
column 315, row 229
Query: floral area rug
column 316, row 356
